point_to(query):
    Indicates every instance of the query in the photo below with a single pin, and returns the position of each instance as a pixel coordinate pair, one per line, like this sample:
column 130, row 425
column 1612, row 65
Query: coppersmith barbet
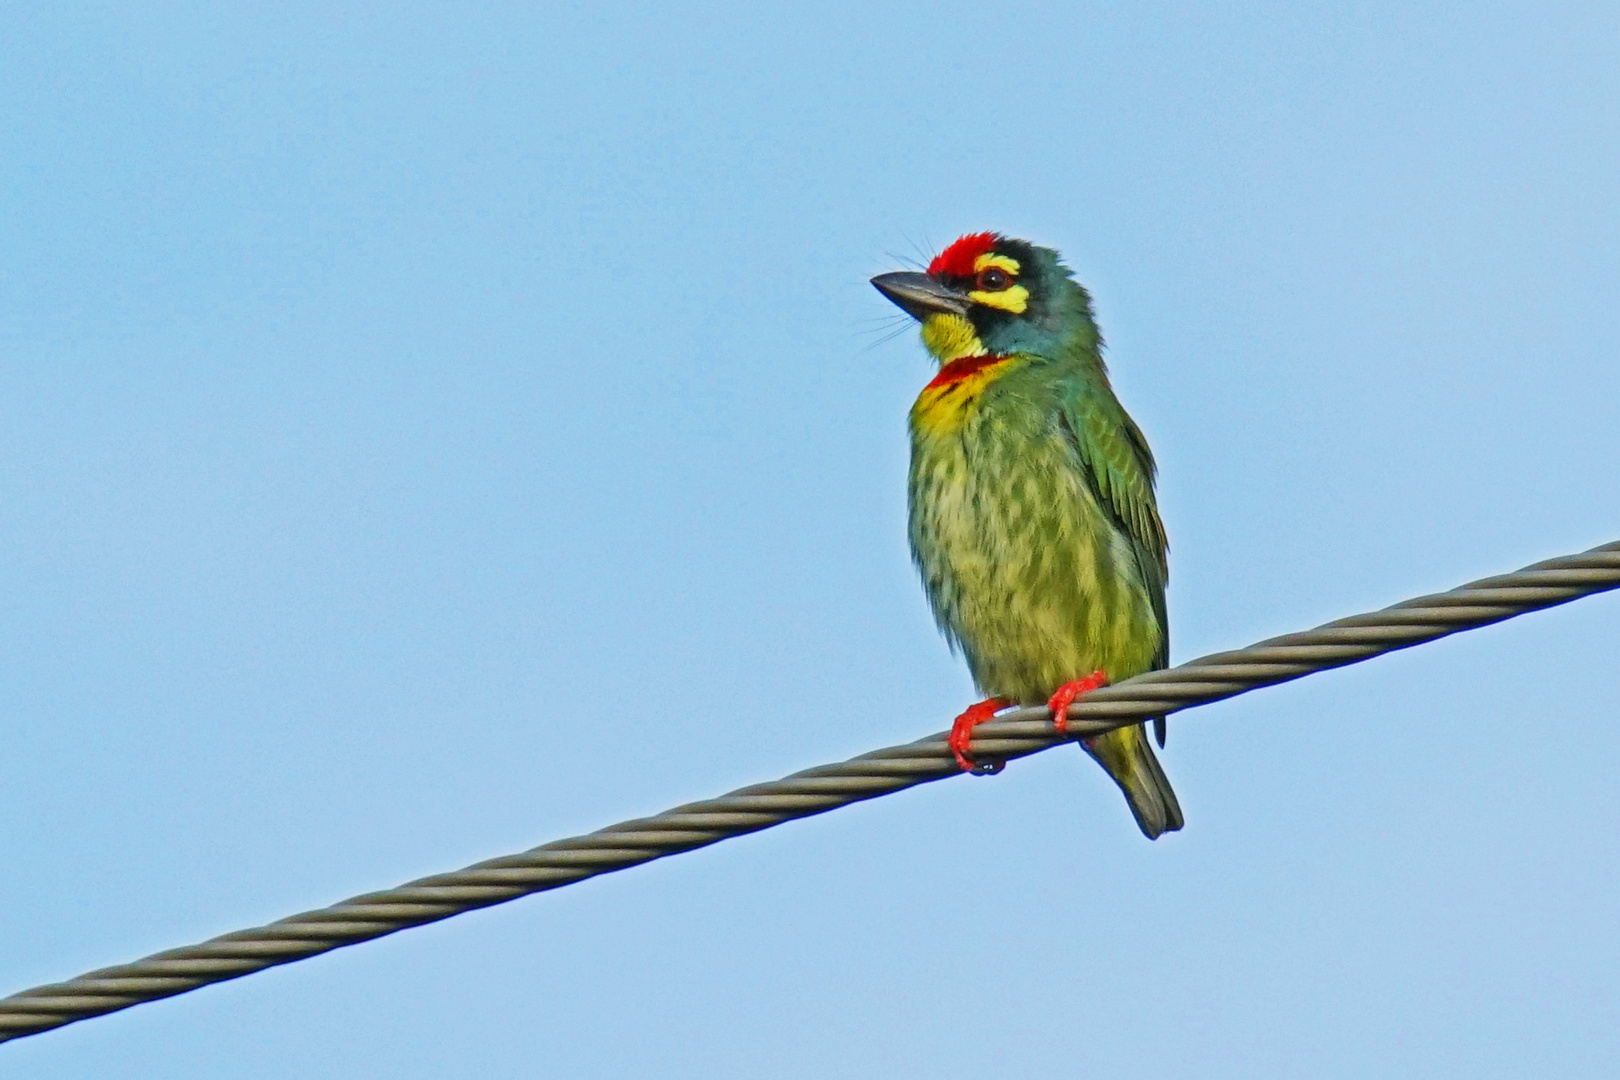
column 1032, row 514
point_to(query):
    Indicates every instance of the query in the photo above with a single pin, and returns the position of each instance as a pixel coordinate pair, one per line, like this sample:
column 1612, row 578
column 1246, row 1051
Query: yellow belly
column 1024, row 570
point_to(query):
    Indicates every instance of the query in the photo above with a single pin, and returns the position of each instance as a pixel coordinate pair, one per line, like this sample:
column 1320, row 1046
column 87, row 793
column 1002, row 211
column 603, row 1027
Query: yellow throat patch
column 966, row 369
column 950, row 337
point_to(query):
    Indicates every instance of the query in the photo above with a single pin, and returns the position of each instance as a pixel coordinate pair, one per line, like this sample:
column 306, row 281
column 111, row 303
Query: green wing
column 1117, row 464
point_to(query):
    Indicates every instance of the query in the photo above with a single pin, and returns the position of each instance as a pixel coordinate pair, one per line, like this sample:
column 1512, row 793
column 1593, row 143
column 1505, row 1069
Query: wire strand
column 1013, row 734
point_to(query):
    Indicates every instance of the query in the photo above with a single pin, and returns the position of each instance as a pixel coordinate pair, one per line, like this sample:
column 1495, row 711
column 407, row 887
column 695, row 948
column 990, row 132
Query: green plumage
column 1032, row 514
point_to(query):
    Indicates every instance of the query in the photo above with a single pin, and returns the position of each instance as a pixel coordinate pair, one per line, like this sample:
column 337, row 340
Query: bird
column 1031, row 510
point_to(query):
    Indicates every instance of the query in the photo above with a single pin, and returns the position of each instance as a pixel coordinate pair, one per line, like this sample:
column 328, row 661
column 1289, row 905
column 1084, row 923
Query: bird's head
column 986, row 294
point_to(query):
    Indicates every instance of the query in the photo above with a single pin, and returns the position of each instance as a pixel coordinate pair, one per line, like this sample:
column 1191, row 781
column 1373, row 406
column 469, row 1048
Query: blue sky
column 428, row 432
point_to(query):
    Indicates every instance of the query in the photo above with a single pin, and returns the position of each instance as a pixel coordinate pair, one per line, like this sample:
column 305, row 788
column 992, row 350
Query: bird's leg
column 1067, row 693
column 962, row 733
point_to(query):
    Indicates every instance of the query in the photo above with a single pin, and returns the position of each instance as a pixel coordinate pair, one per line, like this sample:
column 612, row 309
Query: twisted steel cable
column 1015, row 733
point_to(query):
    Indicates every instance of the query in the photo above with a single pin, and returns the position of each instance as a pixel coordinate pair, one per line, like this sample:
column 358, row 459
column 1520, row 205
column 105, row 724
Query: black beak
column 919, row 295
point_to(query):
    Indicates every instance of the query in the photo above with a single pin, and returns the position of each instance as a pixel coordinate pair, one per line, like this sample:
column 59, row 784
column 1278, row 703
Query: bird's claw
column 962, row 736
column 1067, row 693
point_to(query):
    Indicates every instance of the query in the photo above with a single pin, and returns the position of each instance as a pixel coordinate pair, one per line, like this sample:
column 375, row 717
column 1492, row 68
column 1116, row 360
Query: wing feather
column 1119, row 468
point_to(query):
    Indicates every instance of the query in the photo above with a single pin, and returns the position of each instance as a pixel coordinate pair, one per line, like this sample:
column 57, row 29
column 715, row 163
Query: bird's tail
column 1128, row 758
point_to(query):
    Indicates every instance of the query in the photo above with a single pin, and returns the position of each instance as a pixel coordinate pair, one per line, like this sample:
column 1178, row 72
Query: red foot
column 962, row 732
column 1067, row 693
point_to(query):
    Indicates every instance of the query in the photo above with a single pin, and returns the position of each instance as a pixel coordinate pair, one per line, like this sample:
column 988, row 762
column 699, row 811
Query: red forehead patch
column 957, row 260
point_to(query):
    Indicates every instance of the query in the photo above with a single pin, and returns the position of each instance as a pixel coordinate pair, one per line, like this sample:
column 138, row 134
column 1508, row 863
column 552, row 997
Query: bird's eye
column 993, row 279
